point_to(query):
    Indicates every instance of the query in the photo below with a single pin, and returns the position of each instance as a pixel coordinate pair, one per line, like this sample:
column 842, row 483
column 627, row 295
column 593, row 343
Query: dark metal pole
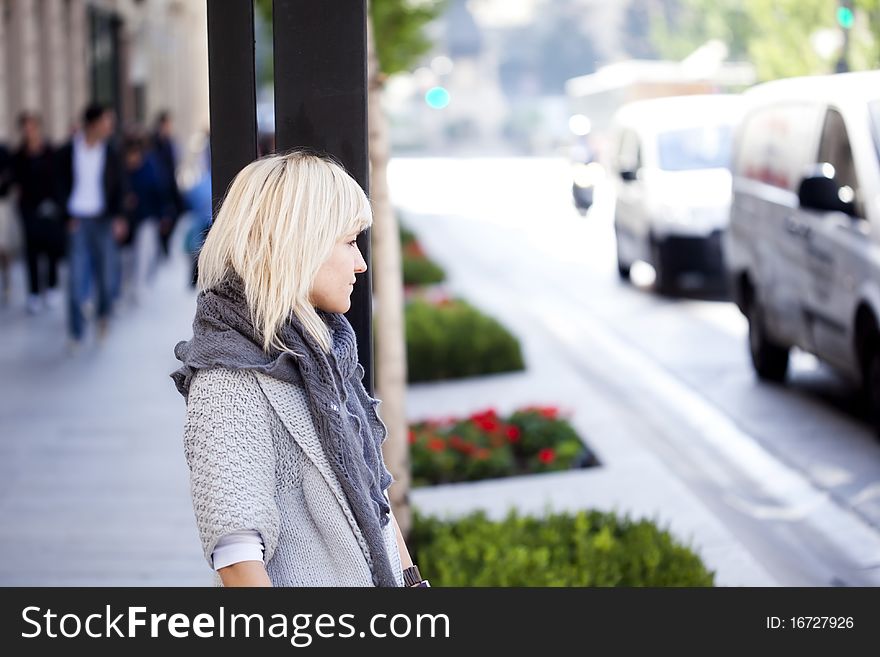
column 232, row 91
column 321, row 103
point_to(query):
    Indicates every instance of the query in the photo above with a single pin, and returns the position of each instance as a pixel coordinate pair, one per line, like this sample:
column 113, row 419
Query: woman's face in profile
column 334, row 283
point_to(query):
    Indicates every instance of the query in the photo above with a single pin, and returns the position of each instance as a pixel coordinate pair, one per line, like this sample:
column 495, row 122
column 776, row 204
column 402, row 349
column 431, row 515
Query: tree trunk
column 390, row 346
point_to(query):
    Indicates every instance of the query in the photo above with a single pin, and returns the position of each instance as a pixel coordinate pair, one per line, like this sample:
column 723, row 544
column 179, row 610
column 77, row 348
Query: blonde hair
column 278, row 224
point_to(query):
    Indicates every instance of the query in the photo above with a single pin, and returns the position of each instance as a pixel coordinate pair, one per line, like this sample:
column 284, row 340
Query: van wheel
column 871, row 383
column 622, row 267
column 663, row 276
column 769, row 359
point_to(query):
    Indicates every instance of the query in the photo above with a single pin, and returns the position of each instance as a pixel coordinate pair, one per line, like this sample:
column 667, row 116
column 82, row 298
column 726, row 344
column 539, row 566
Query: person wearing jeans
column 91, row 188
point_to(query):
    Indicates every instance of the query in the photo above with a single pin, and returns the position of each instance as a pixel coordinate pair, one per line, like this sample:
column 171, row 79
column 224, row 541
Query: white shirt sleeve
column 244, row 545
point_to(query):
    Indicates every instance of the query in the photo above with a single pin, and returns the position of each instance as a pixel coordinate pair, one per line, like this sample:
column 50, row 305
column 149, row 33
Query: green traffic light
column 845, row 17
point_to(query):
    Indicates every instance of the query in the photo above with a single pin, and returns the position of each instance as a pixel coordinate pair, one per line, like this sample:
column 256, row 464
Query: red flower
column 546, row 456
column 437, row 444
column 488, row 414
column 486, row 420
column 512, row 434
column 411, row 437
column 415, row 250
column 550, row 412
column 482, row 454
column 455, row 442
column 488, row 424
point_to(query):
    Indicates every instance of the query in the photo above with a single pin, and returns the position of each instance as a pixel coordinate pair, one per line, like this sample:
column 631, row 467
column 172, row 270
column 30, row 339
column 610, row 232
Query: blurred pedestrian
column 166, row 157
column 6, row 223
column 200, row 203
column 144, row 211
column 41, row 216
column 91, row 188
column 282, row 441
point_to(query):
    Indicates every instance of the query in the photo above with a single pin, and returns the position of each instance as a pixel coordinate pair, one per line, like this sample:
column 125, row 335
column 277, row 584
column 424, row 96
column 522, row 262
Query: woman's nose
column 360, row 265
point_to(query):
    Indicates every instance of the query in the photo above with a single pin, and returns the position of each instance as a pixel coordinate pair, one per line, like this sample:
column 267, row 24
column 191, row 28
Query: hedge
column 454, row 340
column 587, row 548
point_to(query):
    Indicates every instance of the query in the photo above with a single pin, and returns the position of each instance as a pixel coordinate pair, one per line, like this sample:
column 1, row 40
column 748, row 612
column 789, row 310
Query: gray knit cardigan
column 256, row 462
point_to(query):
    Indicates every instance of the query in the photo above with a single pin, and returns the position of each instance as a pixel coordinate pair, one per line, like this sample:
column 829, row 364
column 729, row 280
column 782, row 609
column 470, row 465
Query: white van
column 671, row 172
column 803, row 249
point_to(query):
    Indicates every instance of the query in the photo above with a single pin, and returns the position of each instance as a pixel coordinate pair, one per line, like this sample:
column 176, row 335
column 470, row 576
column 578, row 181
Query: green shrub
column 455, row 340
column 485, row 446
column 406, row 235
column 419, row 270
column 587, row 548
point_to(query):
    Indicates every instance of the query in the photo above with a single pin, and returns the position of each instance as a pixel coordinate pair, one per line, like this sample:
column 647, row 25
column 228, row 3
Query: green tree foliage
column 775, row 35
column 680, row 27
column 865, row 49
column 399, row 27
column 780, row 46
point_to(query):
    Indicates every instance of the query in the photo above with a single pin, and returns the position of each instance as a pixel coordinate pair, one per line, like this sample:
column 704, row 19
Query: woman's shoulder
column 228, row 401
column 244, row 387
column 223, row 383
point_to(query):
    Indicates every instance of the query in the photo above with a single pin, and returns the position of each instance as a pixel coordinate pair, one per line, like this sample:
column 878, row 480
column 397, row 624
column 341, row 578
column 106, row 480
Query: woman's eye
column 353, row 243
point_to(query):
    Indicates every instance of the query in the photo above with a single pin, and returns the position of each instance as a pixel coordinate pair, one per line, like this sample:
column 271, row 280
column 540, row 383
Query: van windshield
column 698, row 147
column 874, row 109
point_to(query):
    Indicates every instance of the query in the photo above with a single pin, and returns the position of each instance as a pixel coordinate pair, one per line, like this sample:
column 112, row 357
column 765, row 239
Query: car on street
column 803, row 248
column 670, row 166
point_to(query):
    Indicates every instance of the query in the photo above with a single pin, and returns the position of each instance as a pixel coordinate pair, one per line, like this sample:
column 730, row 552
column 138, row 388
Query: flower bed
column 485, row 446
column 451, row 339
column 587, row 548
column 418, row 268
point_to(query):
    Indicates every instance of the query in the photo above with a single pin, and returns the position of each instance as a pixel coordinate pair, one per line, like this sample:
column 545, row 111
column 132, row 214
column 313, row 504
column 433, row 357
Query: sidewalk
column 94, row 489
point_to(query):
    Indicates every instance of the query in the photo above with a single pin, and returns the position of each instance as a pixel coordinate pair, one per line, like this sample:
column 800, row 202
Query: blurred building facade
column 138, row 56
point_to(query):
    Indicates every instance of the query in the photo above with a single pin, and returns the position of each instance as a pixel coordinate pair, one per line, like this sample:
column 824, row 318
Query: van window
column 777, row 143
column 835, row 149
column 699, row 147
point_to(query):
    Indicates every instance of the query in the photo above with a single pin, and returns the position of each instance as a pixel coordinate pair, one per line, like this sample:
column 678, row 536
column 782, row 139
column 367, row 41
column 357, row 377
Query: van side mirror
column 629, row 175
column 820, row 191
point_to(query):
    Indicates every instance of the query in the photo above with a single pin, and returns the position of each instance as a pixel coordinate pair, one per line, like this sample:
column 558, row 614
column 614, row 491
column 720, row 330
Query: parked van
column 671, row 172
column 803, row 249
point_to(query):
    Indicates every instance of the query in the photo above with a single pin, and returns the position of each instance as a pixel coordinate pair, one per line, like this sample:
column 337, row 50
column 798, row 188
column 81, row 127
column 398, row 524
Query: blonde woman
column 282, row 441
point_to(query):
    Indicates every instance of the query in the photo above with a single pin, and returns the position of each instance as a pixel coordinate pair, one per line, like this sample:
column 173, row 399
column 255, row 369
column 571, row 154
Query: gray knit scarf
column 224, row 336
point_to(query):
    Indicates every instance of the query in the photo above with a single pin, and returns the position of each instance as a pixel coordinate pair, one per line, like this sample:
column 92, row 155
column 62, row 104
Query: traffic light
column 845, row 17
column 437, row 97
